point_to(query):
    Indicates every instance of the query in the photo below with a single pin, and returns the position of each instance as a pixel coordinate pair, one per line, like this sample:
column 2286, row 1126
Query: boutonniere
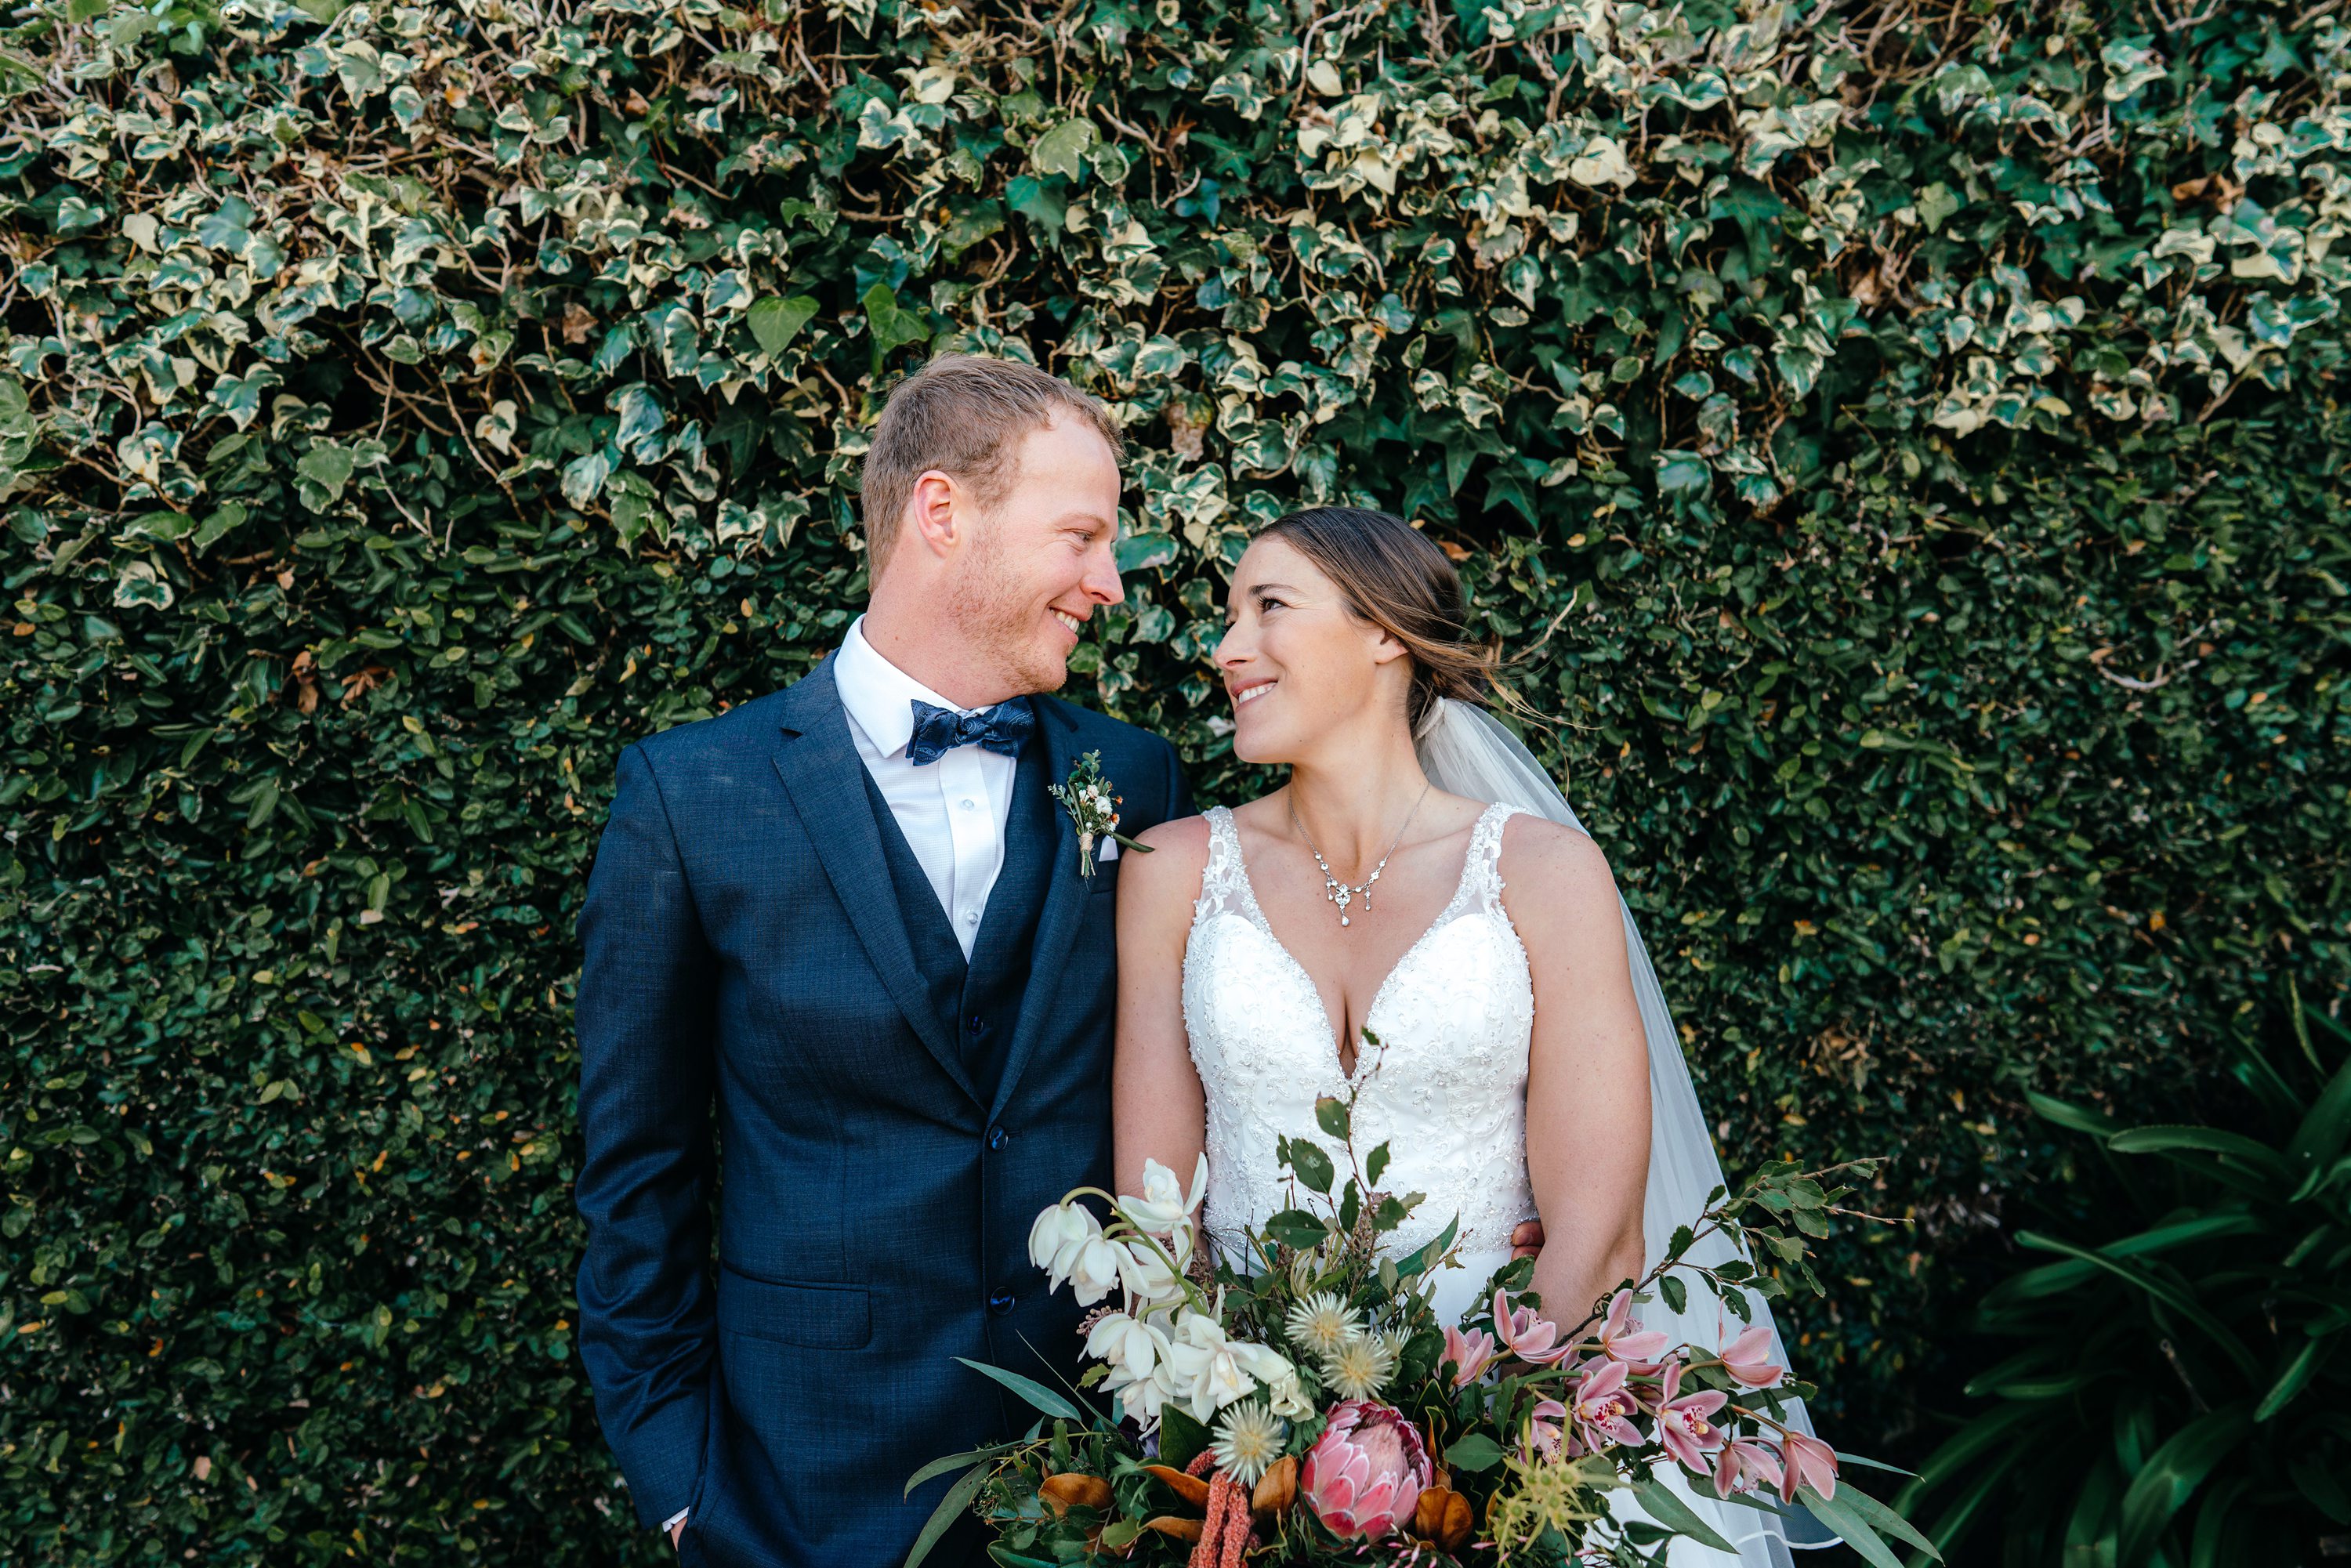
column 1093, row 804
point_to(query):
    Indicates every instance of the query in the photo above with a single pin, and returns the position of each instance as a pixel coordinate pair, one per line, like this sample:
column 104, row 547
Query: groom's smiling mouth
column 1244, row 692
column 1075, row 625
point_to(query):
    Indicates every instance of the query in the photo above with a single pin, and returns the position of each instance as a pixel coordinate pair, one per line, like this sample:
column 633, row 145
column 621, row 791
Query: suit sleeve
column 647, row 1326
column 1179, row 795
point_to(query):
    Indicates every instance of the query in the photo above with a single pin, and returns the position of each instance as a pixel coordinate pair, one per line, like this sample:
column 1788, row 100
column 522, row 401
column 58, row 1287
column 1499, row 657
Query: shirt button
column 969, row 804
column 1000, row 1303
column 971, row 917
column 997, row 1138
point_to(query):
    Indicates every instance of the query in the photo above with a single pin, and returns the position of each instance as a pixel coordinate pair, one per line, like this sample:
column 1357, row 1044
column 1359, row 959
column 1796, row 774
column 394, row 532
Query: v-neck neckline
column 1264, row 922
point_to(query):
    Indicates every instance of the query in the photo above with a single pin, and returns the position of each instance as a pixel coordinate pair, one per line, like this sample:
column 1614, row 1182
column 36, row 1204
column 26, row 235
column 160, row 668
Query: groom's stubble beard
column 989, row 602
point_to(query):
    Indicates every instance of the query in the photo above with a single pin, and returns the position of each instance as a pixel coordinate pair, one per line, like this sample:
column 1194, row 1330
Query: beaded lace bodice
column 1445, row 1088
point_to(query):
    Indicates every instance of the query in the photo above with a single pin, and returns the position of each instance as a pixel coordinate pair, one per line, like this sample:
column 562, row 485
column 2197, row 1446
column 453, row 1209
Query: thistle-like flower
column 1360, row 1366
column 1319, row 1324
column 1248, row 1442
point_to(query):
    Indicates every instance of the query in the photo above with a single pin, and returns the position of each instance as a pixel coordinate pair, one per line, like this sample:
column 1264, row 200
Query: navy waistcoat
column 978, row 1000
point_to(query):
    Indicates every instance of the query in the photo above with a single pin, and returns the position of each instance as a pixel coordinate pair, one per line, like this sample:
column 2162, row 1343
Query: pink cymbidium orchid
column 1604, row 1406
column 1542, row 1428
column 1623, row 1336
column 1530, row 1337
column 1682, row 1423
column 1743, row 1466
column 1807, row 1460
column 1470, row 1353
column 1747, row 1359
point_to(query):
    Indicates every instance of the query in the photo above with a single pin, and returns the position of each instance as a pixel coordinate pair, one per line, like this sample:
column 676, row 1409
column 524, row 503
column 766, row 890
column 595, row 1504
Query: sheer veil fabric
column 1468, row 752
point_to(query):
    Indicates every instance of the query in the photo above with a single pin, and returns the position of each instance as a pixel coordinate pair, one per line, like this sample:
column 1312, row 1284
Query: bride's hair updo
column 1395, row 578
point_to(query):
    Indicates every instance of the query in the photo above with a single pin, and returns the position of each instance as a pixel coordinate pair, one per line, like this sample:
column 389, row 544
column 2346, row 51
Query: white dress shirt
column 952, row 811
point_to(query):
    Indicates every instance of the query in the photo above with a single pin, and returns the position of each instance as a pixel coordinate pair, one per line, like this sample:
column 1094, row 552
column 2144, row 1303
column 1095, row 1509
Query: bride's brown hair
column 1393, row 577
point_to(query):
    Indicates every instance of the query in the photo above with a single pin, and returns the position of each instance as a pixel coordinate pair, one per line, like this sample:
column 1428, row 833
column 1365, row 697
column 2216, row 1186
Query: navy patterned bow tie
column 939, row 730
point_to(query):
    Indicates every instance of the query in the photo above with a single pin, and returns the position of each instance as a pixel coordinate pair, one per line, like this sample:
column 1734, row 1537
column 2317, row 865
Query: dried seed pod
column 1191, row 1489
column 1064, row 1492
column 1277, row 1489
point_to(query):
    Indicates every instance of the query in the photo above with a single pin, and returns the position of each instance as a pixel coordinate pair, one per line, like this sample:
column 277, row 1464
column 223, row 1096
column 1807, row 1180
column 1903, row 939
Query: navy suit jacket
column 745, row 952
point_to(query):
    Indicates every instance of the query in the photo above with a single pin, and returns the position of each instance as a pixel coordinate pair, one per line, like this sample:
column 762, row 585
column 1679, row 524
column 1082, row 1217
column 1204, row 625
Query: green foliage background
column 1902, row 448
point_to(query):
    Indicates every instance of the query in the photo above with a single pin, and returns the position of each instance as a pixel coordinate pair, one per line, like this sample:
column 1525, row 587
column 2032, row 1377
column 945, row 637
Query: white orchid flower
column 1136, row 1354
column 1163, row 1204
column 1143, row 1267
column 1127, row 1345
column 1286, row 1397
column 1061, row 1234
column 1206, row 1366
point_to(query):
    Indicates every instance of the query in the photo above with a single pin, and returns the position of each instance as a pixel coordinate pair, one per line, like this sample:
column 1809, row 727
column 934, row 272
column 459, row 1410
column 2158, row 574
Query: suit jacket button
column 997, row 1138
column 1000, row 1303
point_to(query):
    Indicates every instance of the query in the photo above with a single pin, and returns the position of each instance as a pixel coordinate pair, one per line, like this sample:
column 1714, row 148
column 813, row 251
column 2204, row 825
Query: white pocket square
column 1109, row 852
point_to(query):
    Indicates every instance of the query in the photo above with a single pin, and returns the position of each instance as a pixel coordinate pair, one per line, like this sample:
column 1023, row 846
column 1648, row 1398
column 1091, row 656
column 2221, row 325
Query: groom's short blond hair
column 963, row 414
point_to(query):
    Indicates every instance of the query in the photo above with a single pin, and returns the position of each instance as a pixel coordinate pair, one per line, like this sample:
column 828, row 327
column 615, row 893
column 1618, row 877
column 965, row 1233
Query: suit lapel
column 825, row 779
column 1065, row 905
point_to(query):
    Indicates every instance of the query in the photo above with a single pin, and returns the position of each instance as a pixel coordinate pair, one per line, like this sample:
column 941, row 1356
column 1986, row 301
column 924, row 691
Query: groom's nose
column 1101, row 580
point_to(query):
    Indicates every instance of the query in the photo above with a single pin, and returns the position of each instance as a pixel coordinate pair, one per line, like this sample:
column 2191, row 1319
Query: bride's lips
column 1246, row 692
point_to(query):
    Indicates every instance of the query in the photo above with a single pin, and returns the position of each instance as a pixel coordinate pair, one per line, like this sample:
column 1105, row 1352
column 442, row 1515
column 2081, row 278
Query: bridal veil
column 1465, row 751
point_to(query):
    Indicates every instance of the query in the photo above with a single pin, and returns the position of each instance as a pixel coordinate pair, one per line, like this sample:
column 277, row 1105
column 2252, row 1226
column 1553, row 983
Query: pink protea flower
column 1682, row 1423
column 1526, row 1336
column 1471, row 1352
column 1743, row 1466
column 1807, row 1460
column 1362, row 1477
column 1623, row 1335
column 1747, row 1359
column 1604, row 1407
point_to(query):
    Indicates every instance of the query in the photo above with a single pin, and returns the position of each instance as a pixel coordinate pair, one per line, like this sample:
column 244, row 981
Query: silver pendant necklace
column 1340, row 892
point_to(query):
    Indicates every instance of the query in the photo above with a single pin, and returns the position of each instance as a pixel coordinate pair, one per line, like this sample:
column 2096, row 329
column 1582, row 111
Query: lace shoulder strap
column 1223, row 885
column 1481, row 880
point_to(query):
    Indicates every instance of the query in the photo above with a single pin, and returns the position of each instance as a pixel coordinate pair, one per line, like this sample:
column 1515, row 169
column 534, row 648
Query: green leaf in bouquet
column 1331, row 1116
column 951, row 1508
column 1312, row 1166
column 1296, row 1227
column 1420, row 1357
column 1119, row 1534
column 1036, row 1393
column 1675, row 1514
column 1882, row 1519
column 1391, row 1213
column 1425, row 1259
column 1181, row 1438
column 1859, row 1516
column 1351, row 1208
column 1000, row 1552
column 1477, row 1452
column 1676, row 1293
column 952, row 1462
column 1375, row 1163
column 1682, row 1238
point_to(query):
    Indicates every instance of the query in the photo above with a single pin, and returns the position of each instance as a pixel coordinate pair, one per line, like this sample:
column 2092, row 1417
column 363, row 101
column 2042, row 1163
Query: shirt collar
column 879, row 695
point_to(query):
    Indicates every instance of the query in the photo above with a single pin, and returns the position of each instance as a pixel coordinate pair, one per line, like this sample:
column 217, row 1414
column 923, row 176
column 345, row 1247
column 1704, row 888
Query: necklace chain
column 1343, row 893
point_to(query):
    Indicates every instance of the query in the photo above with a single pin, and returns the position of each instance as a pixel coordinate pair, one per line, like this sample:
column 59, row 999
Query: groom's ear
column 940, row 513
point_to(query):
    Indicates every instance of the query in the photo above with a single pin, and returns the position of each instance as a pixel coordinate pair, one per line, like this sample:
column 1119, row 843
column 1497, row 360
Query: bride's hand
column 1527, row 1240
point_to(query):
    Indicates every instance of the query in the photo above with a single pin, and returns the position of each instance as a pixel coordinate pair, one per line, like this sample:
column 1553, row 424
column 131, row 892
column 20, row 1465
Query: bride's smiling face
column 1298, row 662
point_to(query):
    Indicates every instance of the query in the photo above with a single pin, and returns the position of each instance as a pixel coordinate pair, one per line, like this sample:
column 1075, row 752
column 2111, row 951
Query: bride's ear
column 1386, row 646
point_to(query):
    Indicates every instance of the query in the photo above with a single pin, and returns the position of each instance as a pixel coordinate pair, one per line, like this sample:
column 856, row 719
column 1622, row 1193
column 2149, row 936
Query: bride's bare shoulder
column 1554, row 866
column 1178, row 854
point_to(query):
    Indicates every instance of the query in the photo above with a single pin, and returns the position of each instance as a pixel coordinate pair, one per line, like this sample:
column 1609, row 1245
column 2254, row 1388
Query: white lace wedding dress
column 1446, row 1089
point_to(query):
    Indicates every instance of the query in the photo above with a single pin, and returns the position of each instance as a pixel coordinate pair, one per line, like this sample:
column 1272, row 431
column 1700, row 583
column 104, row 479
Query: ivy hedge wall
column 1900, row 444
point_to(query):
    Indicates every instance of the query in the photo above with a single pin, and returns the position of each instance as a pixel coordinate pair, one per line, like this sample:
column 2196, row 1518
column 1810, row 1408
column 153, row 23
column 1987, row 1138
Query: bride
column 1420, row 884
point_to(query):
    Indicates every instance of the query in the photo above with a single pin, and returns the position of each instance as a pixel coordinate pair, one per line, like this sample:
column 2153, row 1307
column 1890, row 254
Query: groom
column 840, row 933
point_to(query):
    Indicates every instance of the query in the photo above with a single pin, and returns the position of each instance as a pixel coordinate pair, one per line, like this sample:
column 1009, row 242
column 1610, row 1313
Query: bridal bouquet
column 1300, row 1404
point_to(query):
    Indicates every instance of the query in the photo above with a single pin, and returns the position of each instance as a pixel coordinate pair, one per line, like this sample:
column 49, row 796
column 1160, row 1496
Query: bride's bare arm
column 1157, row 1109
column 1588, row 1076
